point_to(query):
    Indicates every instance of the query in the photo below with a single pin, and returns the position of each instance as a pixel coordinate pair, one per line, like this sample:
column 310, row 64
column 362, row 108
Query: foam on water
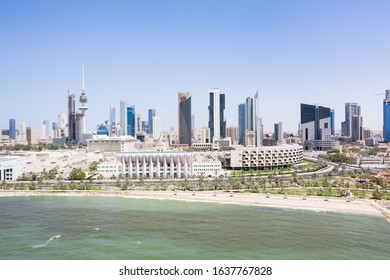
column 47, row 242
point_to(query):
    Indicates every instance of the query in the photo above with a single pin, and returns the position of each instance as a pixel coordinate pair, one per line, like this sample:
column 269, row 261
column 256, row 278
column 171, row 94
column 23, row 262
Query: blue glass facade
column 131, row 120
column 12, row 129
column 241, row 123
column 386, row 121
column 332, row 132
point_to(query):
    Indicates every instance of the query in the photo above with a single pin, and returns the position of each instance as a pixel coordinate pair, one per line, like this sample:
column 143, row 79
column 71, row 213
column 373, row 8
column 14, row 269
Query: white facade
column 156, row 165
column 266, row 156
column 156, row 127
column 111, row 144
column 12, row 167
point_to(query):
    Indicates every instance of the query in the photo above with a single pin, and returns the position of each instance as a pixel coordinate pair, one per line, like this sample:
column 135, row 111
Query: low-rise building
column 266, row 157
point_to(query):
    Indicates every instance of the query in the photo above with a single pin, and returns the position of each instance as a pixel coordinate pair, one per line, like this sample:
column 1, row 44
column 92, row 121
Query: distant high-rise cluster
column 76, row 119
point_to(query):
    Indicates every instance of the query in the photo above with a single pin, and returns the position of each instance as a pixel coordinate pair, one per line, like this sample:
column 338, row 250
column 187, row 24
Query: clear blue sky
column 292, row 52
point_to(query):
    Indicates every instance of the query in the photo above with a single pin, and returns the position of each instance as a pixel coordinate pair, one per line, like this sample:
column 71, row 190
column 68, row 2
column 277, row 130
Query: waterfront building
column 184, row 118
column 266, row 157
column 386, row 117
column 217, row 121
column 12, row 167
column 315, row 125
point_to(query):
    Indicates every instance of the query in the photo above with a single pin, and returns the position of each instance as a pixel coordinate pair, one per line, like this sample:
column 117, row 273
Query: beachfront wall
column 266, row 157
column 156, row 165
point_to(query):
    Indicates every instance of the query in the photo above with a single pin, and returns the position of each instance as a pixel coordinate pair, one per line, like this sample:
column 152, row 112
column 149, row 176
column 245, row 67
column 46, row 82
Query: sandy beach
column 280, row 201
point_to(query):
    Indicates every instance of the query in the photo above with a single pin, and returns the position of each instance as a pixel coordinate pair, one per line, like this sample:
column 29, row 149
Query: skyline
column 290, row 52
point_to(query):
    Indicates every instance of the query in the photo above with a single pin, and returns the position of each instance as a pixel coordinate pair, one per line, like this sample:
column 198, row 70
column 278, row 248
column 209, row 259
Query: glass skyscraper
column 184, row 118
column 241, row 123
column 131, row 120
column 12, row 129
column 151, row 114
column 386, row 117
column 217, row 121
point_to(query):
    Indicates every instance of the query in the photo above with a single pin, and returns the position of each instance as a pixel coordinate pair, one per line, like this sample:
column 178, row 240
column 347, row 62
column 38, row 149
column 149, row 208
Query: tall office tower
column 259, row 140
column 260, row 132
column 83, row 108
column 351, row 109
column 217, row 121
column 22, row 137
column 386, row 117
column 45, row 129
column 184, row 118
column 232, row 132
column 31, row 135
column 138, row 123
column 123, row 117
column 145, row 126
column 151, row 114
column 1, row 130
column 278, row 132
column 71, row 118
column 130, row 120
column 112, row 122
column 315, row 124
column 55, row 130
column 366, row 133
column 193, row 121
column 241, row 123
column 251, row 120
column 343, row 128
column 332, row 129
column 12, row 129
column 62, row 125
column 357, row 128
column 156, row 127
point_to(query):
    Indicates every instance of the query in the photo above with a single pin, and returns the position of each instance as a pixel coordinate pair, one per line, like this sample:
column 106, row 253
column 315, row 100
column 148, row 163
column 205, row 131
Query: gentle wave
column 47, row 242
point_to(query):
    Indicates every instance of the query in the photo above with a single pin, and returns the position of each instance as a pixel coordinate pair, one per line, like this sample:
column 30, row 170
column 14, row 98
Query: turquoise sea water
column 123, row 228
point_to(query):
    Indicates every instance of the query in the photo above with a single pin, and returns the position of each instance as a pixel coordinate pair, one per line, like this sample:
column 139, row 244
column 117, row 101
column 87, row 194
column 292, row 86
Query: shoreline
column 314, row 203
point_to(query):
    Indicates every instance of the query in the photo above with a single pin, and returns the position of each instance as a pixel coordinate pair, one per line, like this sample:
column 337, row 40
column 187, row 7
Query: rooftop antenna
column 83, row 84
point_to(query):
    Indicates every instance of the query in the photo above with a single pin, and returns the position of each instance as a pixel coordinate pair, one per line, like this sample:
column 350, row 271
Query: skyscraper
column 123, row 117
column 112, row 121
column 332, row 129
column 217, row 121
column 151, row 114
column 71, row 118
column 315, row 125
column 184, row 118
column 45, row 129
column 31, row 135
column 386, row 117
column 131, row 120
column 351, row 109
column 278, row 132
column 357, row 128
column 82, row 128
column 12, row 129
column 156, row 127
column 251, row 121
column 241, row 123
